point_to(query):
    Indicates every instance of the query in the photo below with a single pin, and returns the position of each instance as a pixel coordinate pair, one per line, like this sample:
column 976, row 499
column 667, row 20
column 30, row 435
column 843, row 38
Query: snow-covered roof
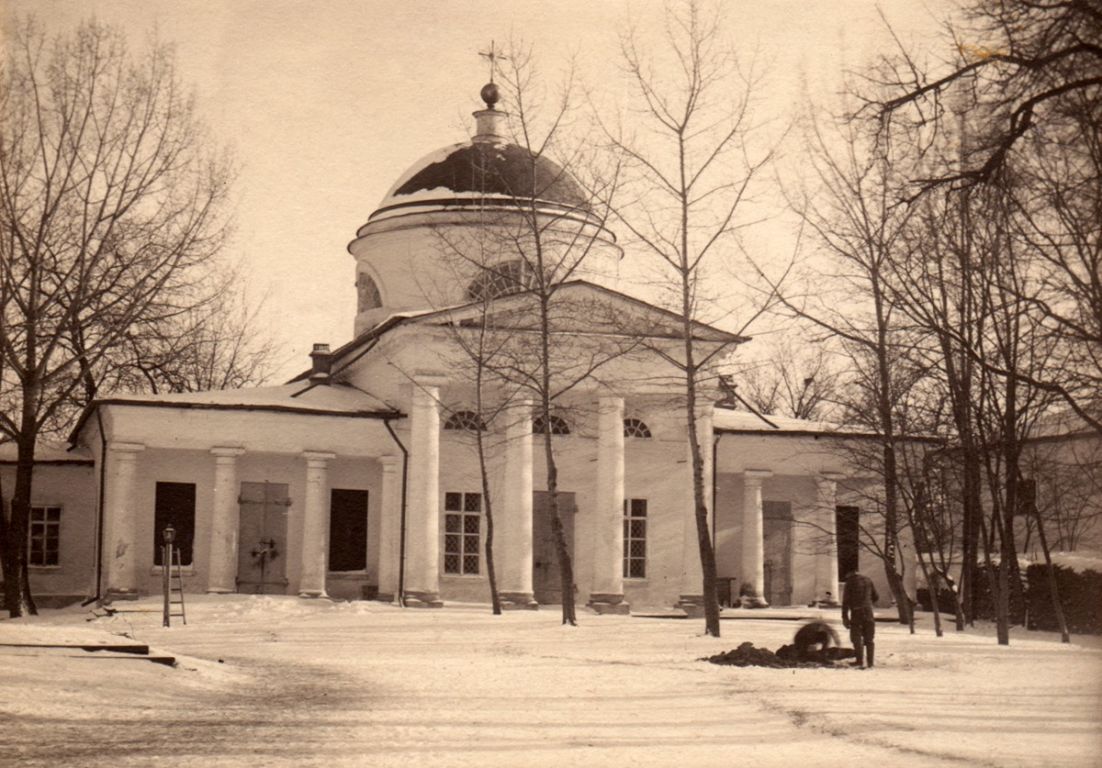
column 728, row 419
column 47, row 453
column 301, row 397
column 296, row 396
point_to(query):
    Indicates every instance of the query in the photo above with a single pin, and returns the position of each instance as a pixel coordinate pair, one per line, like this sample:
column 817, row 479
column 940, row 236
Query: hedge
column 1080, row 596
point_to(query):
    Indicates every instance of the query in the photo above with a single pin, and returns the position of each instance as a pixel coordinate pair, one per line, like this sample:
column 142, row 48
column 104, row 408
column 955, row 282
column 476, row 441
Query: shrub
column 1080, row 597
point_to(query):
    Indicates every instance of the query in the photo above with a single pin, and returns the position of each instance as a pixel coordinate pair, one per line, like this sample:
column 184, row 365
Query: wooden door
column 546, row 581
column 777, row 534
column 262, row 542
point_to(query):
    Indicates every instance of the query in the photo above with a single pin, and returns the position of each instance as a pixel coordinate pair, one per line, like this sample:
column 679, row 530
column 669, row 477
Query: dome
column 482, row 174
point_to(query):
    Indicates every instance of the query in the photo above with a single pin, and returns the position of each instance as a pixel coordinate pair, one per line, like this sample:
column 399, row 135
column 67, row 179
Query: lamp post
column 168, row 536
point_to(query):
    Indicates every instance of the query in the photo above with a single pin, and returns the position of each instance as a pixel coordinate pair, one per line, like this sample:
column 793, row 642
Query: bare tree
column 801, row 384
column 857, row 231
column 688, row 164
column 1032, row 88
column 109, row 204
column 520, row 337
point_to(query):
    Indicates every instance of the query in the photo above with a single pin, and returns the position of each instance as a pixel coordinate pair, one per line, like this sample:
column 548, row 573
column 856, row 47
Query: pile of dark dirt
column 786, row 657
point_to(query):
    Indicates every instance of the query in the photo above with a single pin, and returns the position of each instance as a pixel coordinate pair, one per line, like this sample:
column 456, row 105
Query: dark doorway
column 546, row 582
column 347, row 530
column 174, row 505
column 262, row 546
column 847, row 530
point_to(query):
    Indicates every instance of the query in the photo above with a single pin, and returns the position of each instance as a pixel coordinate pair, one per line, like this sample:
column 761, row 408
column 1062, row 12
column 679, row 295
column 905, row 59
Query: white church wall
column 72, row 488
column 172, row 466
column 364, row 475
column 797, row 490
column 658, row 471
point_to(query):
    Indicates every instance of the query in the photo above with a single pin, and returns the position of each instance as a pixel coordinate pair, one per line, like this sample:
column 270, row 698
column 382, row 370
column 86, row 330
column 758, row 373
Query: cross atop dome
column 493, row 55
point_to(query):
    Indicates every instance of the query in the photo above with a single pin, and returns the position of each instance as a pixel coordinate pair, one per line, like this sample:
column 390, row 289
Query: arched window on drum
column 367, row 293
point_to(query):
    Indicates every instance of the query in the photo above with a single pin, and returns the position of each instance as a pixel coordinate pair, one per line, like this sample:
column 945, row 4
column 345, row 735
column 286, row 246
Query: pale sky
column 326, row 102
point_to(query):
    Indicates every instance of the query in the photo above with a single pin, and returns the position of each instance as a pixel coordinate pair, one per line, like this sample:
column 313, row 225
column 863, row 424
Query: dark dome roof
column 479, row 172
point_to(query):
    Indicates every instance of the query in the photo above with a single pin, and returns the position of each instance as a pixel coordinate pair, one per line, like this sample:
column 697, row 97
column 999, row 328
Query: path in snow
column 315, row 683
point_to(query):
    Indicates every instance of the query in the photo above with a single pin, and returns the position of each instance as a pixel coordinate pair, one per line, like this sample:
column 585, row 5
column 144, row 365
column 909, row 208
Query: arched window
column 558, row 425
column 636, row 428
column 501, row 279
column 466, row 420
column 367, row 293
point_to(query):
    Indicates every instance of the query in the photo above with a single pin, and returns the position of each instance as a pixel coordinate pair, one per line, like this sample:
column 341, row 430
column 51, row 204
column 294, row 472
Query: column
column 691, row 599
column 390, row 521
column 121, row 506
column 422, row 581
column 315, row 525
column 826, row 540
column 513, row 553
column 224, row 523
column 752, row 581
column 607, row 594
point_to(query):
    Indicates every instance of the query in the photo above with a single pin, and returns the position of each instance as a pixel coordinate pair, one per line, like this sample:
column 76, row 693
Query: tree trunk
column 1054, row 590
column 488, row 510
column 17, row 588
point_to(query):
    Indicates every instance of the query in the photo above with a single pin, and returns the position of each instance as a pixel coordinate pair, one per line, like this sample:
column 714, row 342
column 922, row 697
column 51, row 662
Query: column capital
column 756, row 475
column 831, row 477
column 389, row 463
column 126, row 448
column 227, row 452
column 428, row 379
column 610, row 400
column 317, row 459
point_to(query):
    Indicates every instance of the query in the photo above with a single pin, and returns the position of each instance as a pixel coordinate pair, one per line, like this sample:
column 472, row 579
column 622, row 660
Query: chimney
column 320, row 360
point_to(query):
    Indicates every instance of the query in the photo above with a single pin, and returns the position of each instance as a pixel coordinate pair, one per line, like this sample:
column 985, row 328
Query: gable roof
column 511, row 307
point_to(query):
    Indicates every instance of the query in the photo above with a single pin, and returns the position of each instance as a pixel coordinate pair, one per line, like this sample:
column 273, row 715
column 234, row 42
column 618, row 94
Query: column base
column 383, row 597
column 517, row 601
column 751, row 601
column 608, row 604
column 220, row 591
column 692, row 605
column 120, row 594
column 312, row 594
column 423, row 600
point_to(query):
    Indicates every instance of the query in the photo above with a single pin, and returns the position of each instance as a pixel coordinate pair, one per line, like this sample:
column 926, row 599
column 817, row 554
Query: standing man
column 857, row 616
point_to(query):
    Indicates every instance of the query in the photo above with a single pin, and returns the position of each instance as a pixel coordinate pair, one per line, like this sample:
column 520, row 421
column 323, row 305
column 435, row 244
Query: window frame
column 635, row 514
column 633, row 424
column 462, row 536
column 47, row 525
column 559, row 425
column 464, row 421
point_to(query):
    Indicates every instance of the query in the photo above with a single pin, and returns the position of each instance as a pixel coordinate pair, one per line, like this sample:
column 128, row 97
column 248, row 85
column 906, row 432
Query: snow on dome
column 470, row 172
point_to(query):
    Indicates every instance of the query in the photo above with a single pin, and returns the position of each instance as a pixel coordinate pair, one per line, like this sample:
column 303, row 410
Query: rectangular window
column 174, row 505
column 635, row 538
column 45, row 544
column 347, row 530
column 462, row 532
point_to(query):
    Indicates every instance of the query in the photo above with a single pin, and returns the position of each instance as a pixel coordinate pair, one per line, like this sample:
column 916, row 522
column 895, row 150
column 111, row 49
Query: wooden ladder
column 173, row 588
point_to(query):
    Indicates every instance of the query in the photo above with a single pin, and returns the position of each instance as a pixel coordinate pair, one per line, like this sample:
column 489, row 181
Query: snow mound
column 1079, row 561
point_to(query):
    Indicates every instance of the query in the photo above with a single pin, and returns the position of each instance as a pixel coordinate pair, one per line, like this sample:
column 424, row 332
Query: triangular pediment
column 577, row 307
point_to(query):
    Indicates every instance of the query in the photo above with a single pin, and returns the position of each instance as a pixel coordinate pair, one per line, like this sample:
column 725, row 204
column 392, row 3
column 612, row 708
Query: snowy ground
column 346, row 684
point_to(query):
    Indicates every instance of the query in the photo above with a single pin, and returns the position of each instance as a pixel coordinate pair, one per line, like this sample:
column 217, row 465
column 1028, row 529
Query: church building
column 359, row 478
